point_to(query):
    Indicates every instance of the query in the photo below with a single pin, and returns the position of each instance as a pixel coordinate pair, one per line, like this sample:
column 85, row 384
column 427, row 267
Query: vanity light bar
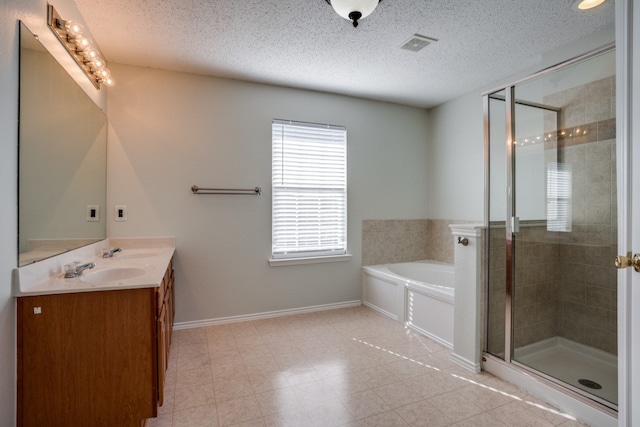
column 81, row 48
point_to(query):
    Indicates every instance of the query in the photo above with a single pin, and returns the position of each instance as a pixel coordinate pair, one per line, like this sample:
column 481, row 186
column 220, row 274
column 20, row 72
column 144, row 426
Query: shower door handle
column 628, row 261
column 515, row 224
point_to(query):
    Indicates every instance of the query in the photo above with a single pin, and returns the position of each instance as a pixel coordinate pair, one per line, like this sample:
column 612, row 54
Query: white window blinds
column 309, row 190
column 558, row 196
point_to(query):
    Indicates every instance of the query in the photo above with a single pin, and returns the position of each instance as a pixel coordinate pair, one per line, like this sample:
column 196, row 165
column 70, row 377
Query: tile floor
column 348, row 367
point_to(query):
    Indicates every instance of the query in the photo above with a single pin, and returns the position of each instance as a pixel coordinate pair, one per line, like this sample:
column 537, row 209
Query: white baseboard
column 428, row 334
column 466, row 363
column 264, row 315
column 381, row 311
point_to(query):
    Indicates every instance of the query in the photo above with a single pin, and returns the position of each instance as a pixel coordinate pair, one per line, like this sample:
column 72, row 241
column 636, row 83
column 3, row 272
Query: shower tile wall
column 587, row 297
column 565, row 281
column 537, row 274
column 537, row 283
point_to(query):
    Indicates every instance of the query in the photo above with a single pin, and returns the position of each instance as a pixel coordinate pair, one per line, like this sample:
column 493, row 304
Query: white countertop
column 150, row 256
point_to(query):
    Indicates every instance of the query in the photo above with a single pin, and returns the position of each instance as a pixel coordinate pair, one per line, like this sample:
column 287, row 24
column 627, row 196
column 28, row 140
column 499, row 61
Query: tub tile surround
column 344, row 367
column 393, row 241
column 405, row 240
column 442, row 245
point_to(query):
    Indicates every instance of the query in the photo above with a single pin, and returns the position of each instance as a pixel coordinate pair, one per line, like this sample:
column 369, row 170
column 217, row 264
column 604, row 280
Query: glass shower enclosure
column 551, row 218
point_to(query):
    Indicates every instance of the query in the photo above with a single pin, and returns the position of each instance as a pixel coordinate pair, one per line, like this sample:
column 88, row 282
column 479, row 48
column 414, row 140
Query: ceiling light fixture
column 354, row 10
column 81, row 48
column 587, row 4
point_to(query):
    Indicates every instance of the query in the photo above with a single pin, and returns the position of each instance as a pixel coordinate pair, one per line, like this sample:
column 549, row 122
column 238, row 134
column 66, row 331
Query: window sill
column 308, row 260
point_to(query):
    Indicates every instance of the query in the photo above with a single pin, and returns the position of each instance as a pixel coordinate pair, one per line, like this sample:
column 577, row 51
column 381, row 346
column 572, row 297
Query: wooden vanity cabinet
column 93, row 358
column 166, row 311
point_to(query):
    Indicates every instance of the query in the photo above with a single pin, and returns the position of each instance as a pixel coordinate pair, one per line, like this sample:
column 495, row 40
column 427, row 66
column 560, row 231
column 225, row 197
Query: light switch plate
column 121, row 213
column 93, row 213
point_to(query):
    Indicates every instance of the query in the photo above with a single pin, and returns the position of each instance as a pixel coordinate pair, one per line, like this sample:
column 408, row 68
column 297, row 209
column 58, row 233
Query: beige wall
column 172, row 130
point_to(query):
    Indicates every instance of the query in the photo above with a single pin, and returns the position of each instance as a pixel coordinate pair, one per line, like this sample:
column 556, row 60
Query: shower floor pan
column 571, row 362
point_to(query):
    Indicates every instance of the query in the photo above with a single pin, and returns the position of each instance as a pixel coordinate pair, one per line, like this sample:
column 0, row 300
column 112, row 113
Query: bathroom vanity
column 93, row 350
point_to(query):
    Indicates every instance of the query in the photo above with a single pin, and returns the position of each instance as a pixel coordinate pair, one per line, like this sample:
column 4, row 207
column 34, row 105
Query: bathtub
column 418, row 294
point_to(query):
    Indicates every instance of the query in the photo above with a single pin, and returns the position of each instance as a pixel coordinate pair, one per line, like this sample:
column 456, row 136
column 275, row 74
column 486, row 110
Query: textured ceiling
column 304, row 43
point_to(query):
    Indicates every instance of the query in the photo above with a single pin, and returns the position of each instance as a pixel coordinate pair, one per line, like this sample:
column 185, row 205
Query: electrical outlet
column 93, row 212
column 121, row 213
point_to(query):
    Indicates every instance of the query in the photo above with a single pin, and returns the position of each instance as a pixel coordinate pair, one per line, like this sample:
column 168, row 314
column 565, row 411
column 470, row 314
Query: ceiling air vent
column 417, row 42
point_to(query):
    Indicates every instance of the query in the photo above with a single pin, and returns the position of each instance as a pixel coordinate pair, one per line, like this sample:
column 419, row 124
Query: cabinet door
column 162, row 353
column 86, row 358
column 172, row 305
column 168, row 327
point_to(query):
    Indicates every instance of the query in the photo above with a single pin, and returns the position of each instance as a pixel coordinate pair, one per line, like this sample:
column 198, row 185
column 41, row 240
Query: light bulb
column 89, row 55
column 82, row 43
column 104, row 76
column 74, row 29
column 108, row 82
column 97, row 63
column 103, row 73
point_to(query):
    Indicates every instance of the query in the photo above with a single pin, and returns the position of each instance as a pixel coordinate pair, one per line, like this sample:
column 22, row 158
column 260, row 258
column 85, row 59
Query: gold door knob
column 628, row 261
column 623, row 261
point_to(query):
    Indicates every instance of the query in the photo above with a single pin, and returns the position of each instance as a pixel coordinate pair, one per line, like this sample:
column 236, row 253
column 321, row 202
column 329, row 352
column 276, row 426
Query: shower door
column 552, row 302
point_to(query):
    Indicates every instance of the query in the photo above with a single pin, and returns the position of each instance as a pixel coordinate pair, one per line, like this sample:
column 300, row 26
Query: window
column 309, row 190
column 558, row 196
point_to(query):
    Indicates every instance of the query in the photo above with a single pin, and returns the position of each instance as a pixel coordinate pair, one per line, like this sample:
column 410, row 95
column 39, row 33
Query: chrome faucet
column 75, row 270
column 108, row 252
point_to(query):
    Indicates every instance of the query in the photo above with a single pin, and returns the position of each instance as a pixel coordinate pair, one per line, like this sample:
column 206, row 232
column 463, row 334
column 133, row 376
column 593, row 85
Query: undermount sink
column 111, row 274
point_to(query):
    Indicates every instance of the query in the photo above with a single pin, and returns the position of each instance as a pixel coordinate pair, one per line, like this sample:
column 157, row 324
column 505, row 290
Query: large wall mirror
column 62, row 158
